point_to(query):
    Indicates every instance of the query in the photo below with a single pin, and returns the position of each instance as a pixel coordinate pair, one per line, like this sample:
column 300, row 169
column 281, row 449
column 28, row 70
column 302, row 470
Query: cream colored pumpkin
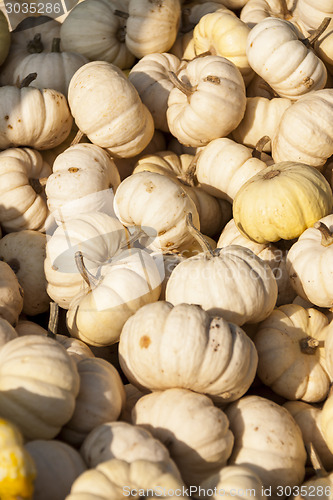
column 262, row 117
column 321, row 485
column 192, row 12
column 223, row 358
column 224, row 34
column 231, row 282
column 216, row 104
column 290, row 345
column 312, row 13
column 238, row 481
column 269, row 441
column 324, row 46
column 97, row 314
column 275, row 258
column 83, row 176
column 97, row 235
column 23, row 205
column 100, row 399
column 326, row 421
column 54, row 69
column 11, row 294
column 183, row 48
column 308, row 263
column 144, row 200
column 4, row 38
column 329, row 345
column 104, row 32
column 39, row 394
column 308, row 417
column 305, row 130
column 290, row 77
column 17, row 467
column 31, row 35
column 261, row 212
column 116, row 118
column 200, row 446
column 257, row 10
column 178, row 167
column 223, row 166
column 25, row 252
column 150, row 77
column 113, row 479
column 152, row 26
column 37, row 118
column 124, row 441
column 7, row 332
column 57, row 465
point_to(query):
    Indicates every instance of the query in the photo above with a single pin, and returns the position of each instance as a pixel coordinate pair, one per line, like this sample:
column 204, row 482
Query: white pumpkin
column 81, row 170
column 39, row 394
column 200, row 446
column 100, row 399
column 23, row 173
column 309, row 263
column 107, row 108
column 57, row 465
column 104, row 32
column 293, row 70
column 216, row 104
column 7, row 332
column 213, row 357
column 269, row 442
column 25, row 252
column 11, row 295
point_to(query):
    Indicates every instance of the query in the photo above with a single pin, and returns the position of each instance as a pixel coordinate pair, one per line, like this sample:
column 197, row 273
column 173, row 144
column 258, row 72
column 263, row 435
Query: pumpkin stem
column 121, row 34
column 326, row 234
column 315, row 460
column 35, row 46
column 38, row 185
column 285, row 11
column 186, row 88
column 27, row 80
column 207, row 249
column 89, row 278
column 271, row 174
column 120, row 13
column 53, row 320
column 309, row 345
column 311, row 40
column 258, row 149
column 190, row 177
column 56, row 45
column 77, row 138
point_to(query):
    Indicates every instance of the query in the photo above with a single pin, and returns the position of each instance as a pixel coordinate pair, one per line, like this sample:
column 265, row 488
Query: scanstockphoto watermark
column 18, row 10
column 191, row 491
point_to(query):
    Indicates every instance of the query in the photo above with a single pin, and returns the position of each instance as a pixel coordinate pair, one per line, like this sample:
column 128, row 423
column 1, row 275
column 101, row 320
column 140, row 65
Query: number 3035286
column 309, row 490
column 33, row 8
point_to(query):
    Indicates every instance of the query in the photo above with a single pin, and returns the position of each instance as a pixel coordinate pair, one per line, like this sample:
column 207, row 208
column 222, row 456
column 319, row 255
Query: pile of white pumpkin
column 166, row 183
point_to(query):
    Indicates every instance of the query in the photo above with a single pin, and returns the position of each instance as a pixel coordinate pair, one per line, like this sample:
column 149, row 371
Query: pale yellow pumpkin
column 4, row 37
column 224, row 34
column 200, row 446
column 259, row 208
column 116, row 118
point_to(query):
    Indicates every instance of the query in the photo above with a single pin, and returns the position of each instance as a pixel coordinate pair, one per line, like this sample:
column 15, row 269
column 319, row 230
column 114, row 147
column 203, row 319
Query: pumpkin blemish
column 144, row 342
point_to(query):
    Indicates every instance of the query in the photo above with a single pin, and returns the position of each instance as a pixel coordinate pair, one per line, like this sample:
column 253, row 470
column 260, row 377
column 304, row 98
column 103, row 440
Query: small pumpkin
column 270, row 218
column 11, row 295
column 4, row 37
column 17, row 467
